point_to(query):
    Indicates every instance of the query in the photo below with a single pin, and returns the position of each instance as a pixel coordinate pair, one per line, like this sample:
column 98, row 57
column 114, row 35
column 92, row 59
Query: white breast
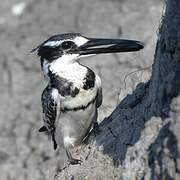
column 74, row 72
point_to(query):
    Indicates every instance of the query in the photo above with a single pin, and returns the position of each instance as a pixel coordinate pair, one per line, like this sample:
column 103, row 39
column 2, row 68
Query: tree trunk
column 139, row 140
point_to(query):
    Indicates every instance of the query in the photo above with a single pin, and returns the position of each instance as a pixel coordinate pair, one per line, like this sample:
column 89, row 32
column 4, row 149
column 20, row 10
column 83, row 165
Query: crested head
column 61, row 45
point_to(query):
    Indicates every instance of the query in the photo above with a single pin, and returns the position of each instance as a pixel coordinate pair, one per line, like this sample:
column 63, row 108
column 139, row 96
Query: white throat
column 70, row 70
column 66, row 59
column 62, row 62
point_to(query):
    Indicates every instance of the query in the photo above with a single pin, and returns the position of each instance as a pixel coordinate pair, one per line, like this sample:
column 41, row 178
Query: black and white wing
column 51, row 111
column 99, row 92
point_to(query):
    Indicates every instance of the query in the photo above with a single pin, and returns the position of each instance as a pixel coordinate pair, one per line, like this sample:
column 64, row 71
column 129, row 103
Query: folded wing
column 51, row 111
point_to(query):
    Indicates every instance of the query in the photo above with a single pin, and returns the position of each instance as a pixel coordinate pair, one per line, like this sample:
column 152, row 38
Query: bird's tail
column 43, row 129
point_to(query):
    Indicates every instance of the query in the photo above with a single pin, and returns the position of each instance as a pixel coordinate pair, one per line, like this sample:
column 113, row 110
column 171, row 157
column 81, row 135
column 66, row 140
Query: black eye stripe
column 49, row 53
column 53, row 52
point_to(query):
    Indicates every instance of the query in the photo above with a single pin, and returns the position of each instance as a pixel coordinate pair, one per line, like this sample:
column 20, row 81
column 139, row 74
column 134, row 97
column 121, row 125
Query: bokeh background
column 25, row 154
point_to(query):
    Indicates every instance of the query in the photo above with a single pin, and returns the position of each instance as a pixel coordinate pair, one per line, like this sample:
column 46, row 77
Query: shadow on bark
column 123, row 128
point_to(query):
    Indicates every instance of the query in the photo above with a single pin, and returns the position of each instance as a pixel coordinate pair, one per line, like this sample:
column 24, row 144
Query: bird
column 73, row 93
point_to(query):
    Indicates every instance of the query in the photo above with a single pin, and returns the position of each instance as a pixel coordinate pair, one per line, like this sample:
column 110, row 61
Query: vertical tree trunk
column 140, row 138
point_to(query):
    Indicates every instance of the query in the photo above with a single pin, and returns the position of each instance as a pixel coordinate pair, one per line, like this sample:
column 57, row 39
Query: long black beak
column 100, row 46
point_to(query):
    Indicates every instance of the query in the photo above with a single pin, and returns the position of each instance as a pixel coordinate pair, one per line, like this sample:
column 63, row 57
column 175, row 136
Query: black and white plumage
column 74, row 93
column 51, row 104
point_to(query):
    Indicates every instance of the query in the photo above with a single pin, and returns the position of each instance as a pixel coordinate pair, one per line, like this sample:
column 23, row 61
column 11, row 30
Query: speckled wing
column 51, row 111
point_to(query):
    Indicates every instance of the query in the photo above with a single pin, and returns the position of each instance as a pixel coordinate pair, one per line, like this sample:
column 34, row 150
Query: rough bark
column 138, row 140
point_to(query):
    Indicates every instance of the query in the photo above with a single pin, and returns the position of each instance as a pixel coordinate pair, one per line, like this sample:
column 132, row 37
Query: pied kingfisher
column 74, row 93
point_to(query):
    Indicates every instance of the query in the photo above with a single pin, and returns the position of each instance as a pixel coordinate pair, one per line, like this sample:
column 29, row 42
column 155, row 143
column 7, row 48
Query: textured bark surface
column 138, row 140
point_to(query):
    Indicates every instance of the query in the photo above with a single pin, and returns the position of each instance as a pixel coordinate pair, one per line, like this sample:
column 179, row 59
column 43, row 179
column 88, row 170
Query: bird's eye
column 67, row 45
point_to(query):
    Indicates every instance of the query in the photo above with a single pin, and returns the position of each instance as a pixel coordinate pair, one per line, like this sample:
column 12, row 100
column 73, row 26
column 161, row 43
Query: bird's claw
column 74, row 161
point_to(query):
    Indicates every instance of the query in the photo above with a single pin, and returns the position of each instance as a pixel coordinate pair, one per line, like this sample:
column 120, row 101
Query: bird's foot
column 74, row 161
